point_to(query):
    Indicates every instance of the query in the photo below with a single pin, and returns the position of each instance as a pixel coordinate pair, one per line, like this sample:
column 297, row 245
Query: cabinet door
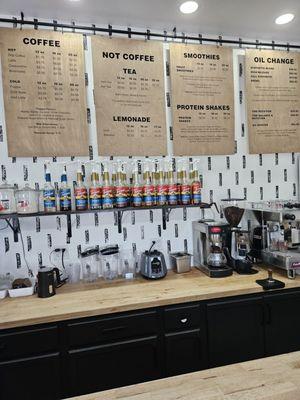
column 32, row 378
column 185, row 352
column 113, row 365
column 282, row 323
column 235, row 331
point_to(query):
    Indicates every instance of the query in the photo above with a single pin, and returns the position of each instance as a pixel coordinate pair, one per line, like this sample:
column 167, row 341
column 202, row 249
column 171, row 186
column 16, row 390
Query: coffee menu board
column 129, row 96
column 44, row 93
column 273, row 101
column 202, row 99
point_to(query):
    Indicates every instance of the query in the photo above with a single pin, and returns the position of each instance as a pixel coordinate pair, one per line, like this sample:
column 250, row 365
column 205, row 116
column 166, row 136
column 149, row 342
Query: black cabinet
column 113, row 365
column 185, row 339
column 282, row 323
column 235, row 330
column 33, row 378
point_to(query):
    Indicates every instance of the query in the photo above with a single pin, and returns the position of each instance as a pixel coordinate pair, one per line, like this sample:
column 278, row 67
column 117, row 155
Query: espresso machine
column 209, row 240
column 238, row 256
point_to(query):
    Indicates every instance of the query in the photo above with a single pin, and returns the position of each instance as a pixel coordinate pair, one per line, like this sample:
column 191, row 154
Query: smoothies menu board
column 44, row 93
column 202, row 99
column 273, row 101
column 129, row 96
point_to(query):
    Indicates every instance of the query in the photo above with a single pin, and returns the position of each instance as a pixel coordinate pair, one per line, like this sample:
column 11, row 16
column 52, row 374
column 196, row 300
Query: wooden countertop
column 273, row 378
column 99, row 298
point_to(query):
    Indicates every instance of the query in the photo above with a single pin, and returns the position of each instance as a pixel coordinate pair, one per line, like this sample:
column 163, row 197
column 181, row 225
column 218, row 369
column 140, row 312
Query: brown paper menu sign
column 273, row 101
column 129, row 96
column 44, row 93
column 202, row 99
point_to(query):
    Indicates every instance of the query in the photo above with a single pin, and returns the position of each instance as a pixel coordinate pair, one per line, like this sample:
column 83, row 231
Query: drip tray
column 215, row 272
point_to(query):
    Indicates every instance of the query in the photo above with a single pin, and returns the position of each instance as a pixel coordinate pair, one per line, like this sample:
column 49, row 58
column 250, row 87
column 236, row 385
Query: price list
column 202, row 99
column 129, row 97
column 273, row 102
column 44, row 93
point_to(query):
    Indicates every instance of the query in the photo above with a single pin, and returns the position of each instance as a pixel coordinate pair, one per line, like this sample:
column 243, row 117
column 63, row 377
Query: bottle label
column 137, row 196
column 162, row 191
column 81, row 198
column 121, row 196
column 65, row 199
column 49, row 200
column 172, row 194
column 107, row 196
column 185, row 194
column 149, row 195
column 95, row 198
column 4, row 205
column 196, row 192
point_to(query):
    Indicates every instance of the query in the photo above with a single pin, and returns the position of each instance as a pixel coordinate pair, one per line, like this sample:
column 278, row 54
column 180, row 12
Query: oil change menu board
column 273, row 95
column 44, row 93
column 129, row 96
column 202, row 99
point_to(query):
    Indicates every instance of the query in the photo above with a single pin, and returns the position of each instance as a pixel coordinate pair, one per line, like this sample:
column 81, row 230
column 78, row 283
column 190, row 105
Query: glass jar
column 7, row 199
column 27, row 200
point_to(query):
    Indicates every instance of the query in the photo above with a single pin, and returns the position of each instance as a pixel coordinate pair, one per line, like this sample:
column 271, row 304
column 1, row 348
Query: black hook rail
column 147, row 33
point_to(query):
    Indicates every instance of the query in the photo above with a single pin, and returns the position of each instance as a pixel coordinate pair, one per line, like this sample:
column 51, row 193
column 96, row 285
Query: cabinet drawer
column 25, row 342
column 183, row 317
column 112, row 328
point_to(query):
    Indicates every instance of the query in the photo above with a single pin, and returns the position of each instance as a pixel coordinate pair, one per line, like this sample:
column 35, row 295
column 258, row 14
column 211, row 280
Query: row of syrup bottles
column 150, row 184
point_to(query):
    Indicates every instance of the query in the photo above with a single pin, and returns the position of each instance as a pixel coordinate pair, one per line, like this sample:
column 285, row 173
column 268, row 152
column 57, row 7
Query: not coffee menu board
column 273, row 101
column 44, row 93
column 202, row 99
column 129, row 96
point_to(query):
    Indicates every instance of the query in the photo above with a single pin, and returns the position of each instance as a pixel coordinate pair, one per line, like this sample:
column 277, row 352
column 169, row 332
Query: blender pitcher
column 90, row 264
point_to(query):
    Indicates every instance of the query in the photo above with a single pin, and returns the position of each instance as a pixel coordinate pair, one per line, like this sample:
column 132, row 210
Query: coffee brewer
column 238, row 256
column 210, row 238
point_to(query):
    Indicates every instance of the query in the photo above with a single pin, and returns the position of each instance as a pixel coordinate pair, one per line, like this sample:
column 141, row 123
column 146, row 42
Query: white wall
column 254, row 177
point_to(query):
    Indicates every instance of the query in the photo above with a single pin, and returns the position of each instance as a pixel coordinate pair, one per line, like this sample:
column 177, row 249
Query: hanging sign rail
column 147, row 33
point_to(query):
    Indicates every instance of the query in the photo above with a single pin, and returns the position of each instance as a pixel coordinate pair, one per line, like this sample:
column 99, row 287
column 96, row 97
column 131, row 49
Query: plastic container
column 28, row 291
column 90, row 264
column 27, row 200
column 73, row 272
column 7, row 199
column 3, row 293
column 110, row 266
column 127, row 265
column 180, row 262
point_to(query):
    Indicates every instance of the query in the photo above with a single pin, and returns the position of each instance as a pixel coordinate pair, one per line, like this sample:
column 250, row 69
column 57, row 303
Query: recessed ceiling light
column 188, row 7
column 284, row 19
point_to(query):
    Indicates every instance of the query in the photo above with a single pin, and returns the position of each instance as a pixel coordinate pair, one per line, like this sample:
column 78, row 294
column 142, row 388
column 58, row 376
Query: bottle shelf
column 13, row 219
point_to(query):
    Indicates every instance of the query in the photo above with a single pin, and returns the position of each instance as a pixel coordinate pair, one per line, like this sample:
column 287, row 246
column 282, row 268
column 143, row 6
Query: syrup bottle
column 137, row 187
column 185, row 188
column 49, row 195
column 121, row 188
column 149, row 188
column 65, row 194
column 107, row 190
column 161, row 187
column 95, row 192
column 172, row 187
column 196, row 187
column 80, row 192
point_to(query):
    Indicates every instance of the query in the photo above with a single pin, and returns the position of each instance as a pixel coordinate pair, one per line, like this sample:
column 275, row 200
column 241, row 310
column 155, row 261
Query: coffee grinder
column 238, row 256
column 209, row 239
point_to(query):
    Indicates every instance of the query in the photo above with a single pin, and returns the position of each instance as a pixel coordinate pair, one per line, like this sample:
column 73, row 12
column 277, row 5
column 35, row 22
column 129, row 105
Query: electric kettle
column 48, row 279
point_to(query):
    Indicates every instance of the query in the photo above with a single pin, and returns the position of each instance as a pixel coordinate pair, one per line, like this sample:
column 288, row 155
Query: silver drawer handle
column 184, row 320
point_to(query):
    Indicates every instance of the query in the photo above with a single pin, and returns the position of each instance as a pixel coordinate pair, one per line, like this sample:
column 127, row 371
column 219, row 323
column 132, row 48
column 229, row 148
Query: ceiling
column 238, row 18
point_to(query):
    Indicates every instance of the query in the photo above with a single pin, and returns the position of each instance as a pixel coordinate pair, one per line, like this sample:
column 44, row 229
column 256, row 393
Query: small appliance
column 153, row 264
column 48, row 279
column 210, row 238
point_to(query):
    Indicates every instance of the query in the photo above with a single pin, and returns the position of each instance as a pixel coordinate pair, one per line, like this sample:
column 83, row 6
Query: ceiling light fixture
column 284, row 19
column 188, row 7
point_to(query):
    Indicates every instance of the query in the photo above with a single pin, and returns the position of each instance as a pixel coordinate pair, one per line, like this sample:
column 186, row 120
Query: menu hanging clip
column 200, row 38
column 288, row 47
column 94, row 29
column 35, row 23
column 22, row 20
column 240, row 43
column 129, row 33
column 54, row 25
column 148, row 34
column 109, row 30
column 220, row 41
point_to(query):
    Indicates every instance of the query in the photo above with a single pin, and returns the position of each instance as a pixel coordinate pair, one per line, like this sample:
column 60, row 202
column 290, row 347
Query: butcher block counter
column 99, row 298
column 273, row 378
